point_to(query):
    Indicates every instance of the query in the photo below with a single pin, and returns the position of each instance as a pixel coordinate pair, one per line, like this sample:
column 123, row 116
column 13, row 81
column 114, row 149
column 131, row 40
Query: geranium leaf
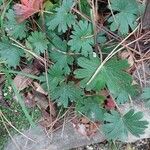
column 82, row 38
column 118, row 126
column 111, row 75
column 146, row 96
column 13, row 28
column 10, row 53
column 38, row 41
column 125, row 16
column 63, row 18
column 66, row 93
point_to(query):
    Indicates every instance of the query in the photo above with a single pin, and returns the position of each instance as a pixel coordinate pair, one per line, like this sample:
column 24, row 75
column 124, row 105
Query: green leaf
column 88, row 67
column 82, row 38
column 59, row 54
column 114, row 128
column 146, row 96
column 117, row 126
column 125, row 17
column 66, row 93
column 63, row 18
column 101, row 38
column 134, row 122
column 146, row 93
column 90, row 107
column 85, row 7
column 38, row 41
column 13, row 28
column 10, row 53
column 57, row 41
column 112, row 75
column 55, row 76
column 63, row 60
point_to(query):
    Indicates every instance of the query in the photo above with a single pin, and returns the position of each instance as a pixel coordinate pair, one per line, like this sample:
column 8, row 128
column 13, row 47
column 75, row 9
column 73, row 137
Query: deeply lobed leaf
column 125, row 16
column 146, row 96
column 10, row 53
column 63, row 18
column 117, row 126
column 65, row 93
column 13, row 28
column 38, row 41
column 60, row 54
column 91, row 107
column 82, row 38
column 112, row 75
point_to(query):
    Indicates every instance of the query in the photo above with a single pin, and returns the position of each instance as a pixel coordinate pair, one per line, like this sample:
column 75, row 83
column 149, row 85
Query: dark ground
column 139, row 145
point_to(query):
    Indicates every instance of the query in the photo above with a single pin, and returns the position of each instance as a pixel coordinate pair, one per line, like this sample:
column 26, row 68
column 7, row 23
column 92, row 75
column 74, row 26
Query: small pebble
column 89, row 148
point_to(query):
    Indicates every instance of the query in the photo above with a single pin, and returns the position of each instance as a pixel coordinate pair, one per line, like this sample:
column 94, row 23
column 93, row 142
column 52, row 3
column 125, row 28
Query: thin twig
column 19, row 45
column 9, row 132
column 1, row 114
column 114, row 52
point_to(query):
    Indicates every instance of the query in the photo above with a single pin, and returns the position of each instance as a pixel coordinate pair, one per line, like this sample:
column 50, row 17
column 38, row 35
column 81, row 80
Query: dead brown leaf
column 85, row 127
column 128, row 56
column 23, row 82
column 44, row 104
column 29, row 100
column 38, row 88
column 46, row 120
column 84, row 120
column 41, row 100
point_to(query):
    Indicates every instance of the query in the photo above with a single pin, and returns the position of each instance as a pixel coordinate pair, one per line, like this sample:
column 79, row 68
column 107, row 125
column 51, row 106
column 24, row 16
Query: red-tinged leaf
column 24, row 2
column 110, row 104
column 27, row 8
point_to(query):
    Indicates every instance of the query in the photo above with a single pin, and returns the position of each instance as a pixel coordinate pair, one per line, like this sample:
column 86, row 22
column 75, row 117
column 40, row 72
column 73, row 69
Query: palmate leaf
column 59, row 54
column 65, row 93
column 117, row 126
column 127, row 11
column 10, row 53
column 134, row 123
column 88, row 67
column 112, row 75
column 82, row 38
column 63, row 60
column 146, row 96
column 114, row 128
column 38, row 41
column 55, row 76
column 63, row 18
column 90, row 107
column 13, row 28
